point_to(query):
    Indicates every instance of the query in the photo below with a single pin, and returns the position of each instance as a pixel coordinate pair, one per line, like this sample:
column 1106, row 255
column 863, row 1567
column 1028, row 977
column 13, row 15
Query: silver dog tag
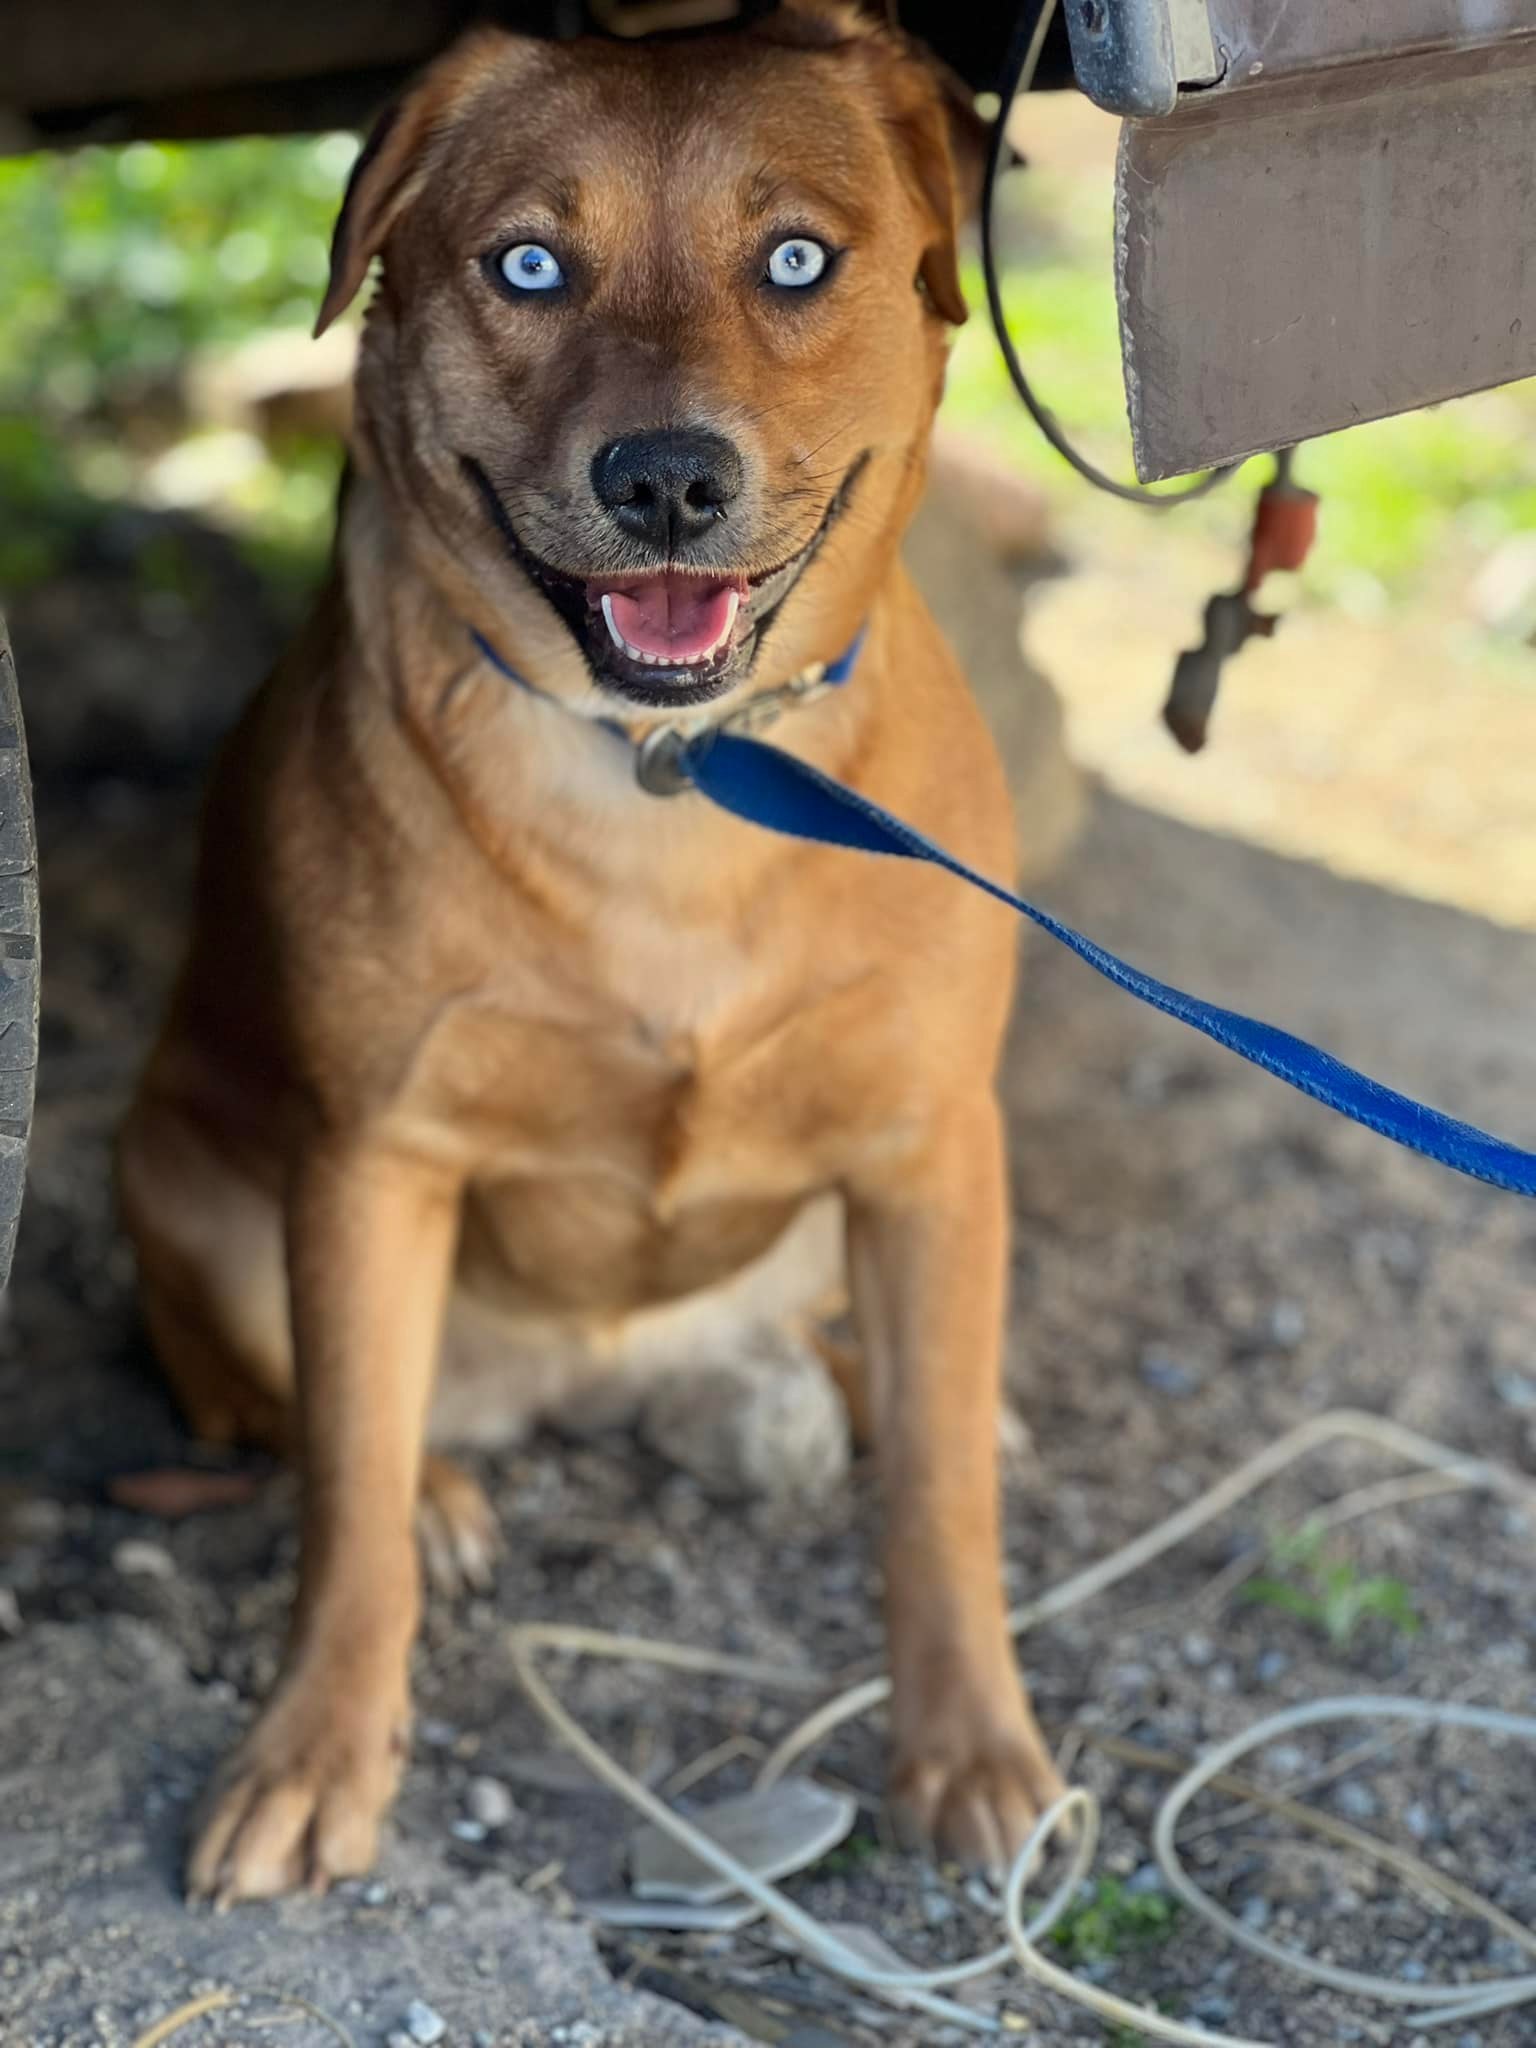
column 659, row 766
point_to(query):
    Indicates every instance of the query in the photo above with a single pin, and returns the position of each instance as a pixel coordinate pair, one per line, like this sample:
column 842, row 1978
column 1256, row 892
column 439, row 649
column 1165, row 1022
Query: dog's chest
column 642, row 1132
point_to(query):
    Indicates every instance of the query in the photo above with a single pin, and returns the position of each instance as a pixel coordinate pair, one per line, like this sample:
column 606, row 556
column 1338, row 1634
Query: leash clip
column 758, row 713
column 660, row 762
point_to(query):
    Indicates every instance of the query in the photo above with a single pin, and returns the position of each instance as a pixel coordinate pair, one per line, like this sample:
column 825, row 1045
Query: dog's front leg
column 928, row 1257
column 370, row 1238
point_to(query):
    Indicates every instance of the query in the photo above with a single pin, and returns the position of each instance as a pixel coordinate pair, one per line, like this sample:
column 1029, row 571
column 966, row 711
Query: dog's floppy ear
column 390, row 169
column 935, row 127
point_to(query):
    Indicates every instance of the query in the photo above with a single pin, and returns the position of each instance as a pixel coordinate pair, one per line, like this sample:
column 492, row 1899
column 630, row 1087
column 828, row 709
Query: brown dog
column 488, row 1071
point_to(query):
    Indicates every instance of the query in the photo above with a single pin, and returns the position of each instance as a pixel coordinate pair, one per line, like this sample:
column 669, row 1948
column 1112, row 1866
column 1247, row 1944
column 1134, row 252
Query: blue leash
column 768, row 787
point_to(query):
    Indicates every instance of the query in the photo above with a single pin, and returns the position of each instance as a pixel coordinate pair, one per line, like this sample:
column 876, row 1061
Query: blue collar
column 770, row 788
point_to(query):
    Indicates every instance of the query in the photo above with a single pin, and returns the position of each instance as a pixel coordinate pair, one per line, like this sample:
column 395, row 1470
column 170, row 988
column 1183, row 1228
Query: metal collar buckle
column 661, row 767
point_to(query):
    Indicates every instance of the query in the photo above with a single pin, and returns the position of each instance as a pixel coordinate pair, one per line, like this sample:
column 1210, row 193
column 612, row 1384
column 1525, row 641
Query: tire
column 18, row 956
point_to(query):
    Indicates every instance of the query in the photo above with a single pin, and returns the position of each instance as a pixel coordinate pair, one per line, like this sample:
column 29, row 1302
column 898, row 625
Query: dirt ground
column 1201, row 1260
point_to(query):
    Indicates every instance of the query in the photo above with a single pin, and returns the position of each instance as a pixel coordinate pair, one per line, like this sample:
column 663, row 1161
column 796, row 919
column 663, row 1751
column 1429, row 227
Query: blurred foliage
column 118, row 264
column 116, row 268
column 1327, row 1590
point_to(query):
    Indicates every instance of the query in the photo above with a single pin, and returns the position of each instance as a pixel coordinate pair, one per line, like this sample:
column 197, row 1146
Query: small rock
column 375, row 1894
column 423, row 2024
column 1198, row 1651
column 1394, row 1252
column 488, row 1801
column 38, row 1519
column 1287, row 1324
column 1148, row 1080
column 137, row 1559
column 467, row 1830
column 438, row 1734
column 1413, row 1971
column 1356, row 1801
column 1515, row 1391
column 1419, row 1821
column 1271, row 1664
column 1130, row 1680
column 1147, row 1880
column 1286, row 1759
column 768, row 1423
column 1165, row 1374
column 398, row 2040
column 1211, row 2011
column 1255, row 1914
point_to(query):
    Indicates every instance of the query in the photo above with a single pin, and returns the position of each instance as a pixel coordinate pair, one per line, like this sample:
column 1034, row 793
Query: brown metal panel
column 1349, row 243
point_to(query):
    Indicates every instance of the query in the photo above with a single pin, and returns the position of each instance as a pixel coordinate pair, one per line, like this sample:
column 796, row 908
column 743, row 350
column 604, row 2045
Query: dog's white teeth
column 614, row 633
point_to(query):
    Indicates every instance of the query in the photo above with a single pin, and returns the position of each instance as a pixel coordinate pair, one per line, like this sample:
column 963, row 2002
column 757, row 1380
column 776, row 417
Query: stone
column 1356, row 1801
column 1287, row 1324
column 137, row 1559
column 1165, row 1374
column 768, row 1423
column 488, row 1801
column 423, row 2024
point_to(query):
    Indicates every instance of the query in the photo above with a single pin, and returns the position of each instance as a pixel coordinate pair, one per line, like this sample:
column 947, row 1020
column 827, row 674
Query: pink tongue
column 673, row 615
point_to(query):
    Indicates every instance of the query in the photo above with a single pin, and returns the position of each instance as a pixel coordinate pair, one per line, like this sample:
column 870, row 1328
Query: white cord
column 1437, row 2006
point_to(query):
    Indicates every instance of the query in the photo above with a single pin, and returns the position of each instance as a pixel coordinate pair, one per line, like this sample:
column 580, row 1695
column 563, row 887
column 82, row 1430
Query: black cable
column 1023, row 57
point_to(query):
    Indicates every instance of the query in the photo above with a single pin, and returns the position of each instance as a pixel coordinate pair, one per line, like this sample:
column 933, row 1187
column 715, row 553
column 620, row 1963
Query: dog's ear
column 936, row 129
column 970, row 139
column 392, row 165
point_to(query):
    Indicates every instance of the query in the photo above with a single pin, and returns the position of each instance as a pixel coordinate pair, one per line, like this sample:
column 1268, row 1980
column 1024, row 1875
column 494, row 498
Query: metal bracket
column 1132, row 56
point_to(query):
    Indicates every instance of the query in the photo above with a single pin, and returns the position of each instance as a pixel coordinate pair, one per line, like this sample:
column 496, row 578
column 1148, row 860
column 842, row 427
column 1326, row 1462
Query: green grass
column 1108, row 1920
column 1328, row 1592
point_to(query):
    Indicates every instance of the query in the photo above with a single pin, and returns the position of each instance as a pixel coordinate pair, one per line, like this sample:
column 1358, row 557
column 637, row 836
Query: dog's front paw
column 299, row 1803
column 972, row 1778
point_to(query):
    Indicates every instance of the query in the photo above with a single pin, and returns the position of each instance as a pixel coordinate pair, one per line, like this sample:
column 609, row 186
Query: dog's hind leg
column 211, row 1278
column 213, row 1287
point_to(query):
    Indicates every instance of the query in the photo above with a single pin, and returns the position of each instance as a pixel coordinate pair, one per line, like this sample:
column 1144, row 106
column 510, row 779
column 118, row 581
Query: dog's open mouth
column 669, row 637
column 681, row 623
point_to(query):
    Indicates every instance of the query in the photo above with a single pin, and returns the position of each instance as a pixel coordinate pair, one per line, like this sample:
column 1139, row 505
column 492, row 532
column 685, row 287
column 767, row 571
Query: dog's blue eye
column 531, row 267
column 799, row 261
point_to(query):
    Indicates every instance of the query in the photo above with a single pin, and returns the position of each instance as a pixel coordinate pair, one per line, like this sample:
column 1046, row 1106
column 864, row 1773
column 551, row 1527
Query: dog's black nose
column 667, row 487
